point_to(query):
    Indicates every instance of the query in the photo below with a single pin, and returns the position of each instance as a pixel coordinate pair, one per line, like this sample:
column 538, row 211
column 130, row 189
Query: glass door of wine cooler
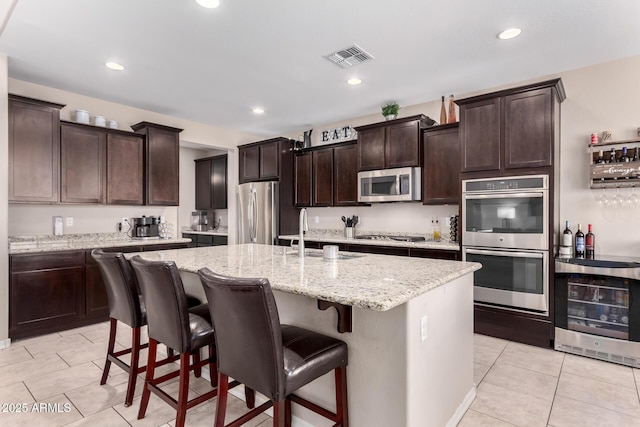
column 598, row 305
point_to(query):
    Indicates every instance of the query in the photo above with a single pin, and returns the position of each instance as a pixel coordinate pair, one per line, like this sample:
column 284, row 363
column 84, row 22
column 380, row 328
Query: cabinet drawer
column 204, row 240
column 46, row 261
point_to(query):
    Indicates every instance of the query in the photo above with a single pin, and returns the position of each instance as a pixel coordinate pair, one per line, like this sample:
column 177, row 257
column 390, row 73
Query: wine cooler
column 597, row 308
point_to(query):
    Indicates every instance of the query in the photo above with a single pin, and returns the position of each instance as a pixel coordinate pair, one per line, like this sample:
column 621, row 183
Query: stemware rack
column 614, row 175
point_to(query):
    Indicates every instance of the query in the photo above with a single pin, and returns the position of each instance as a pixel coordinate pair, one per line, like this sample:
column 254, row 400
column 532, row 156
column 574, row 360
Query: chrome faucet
column 302, row 227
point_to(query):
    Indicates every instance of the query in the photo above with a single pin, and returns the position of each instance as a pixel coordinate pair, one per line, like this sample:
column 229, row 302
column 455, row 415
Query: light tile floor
column 518, row 385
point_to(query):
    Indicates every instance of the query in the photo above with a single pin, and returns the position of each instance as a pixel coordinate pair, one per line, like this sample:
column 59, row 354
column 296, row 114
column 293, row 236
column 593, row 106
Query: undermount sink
column 308, row 254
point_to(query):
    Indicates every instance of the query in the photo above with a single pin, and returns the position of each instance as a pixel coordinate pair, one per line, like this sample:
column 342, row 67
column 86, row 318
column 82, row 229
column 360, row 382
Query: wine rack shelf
column 607, row 175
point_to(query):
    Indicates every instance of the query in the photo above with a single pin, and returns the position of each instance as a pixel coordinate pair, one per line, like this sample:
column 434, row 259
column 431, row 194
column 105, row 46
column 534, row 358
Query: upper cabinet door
column 249, row 163
column 345, row 174
column 34, row 150
column 203, row 184
column 323, row 177
column 219, row 182
column 125, row 169
column 269, row 154
column 441, row 172
column 371, row 148
column 480, row 135
column 528, row 129
column 402, row 146
column 162, row 149
column 82, row 167
column 303, row 179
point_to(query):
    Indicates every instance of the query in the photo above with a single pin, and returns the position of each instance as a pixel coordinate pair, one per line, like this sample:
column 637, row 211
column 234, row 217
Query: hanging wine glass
column 634, row 200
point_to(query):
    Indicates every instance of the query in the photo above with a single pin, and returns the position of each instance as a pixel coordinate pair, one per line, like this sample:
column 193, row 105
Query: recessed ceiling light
column 257, row 110
column 208, row 3
column 354, row 81
column 114, row 66
column 509, row 33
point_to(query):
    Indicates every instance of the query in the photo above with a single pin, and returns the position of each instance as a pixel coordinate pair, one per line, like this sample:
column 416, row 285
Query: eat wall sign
column 345, row 133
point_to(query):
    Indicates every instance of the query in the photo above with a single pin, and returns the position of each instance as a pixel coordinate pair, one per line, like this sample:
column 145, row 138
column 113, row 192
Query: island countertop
column 377, row 282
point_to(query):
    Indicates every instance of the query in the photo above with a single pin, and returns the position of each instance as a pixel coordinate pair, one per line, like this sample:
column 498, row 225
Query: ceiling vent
column 350, row 56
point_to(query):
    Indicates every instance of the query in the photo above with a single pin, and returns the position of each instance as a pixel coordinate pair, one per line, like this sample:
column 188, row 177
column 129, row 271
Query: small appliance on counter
column 146, row 227
column 199, row 221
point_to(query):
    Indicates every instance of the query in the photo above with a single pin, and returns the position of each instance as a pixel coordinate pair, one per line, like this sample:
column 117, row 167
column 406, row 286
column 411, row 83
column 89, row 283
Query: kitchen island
column 411, row 345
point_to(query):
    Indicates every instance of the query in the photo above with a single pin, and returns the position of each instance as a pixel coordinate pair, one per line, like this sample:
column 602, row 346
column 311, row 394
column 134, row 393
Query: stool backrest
column 121, row 286
column 248, row 336
column 165, row 302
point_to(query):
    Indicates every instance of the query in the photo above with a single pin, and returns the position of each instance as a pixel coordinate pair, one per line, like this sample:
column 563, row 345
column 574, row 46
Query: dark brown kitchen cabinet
column 391, row 144
column 441, row 170
column 34, row 150
column 322, row 177
column 511, row 129
column 303, row 171
column 82, row 165
column 272, row 160
column 162, row 163
column 345, row 175
column 327, row 176
column 100, row 165
column 200, row 240
column 211, row 183
column 46, row 292
column 125, row 169
column 260, row 161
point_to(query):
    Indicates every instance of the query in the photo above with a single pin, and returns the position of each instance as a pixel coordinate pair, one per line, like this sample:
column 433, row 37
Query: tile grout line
column 555, row 391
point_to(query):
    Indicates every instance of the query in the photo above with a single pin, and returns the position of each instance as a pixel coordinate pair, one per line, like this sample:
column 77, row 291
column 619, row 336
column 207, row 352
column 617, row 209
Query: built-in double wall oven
column 505, row 226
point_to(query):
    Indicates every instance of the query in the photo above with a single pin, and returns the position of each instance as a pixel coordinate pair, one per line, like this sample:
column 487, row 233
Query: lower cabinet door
column 45, row 301
column 97, row 302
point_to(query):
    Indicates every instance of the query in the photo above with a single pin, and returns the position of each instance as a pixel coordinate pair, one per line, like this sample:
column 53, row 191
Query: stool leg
column 250, row 397
column 279, row 413
column 133, row 367
column 221, row 404
column 287, row 413
column 213, row 367
column 183, row 391
column 196, row 360
column 341, row 396
column 151, row 367
column 113, row 327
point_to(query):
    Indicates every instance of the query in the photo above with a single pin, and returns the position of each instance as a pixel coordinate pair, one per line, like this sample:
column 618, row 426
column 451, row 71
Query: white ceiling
column 214, row 65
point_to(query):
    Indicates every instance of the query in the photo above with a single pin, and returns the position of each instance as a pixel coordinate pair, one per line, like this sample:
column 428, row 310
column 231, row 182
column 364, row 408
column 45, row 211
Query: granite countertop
column 46, row 243
column 377, row 282
column 222, row 231
column 336, row 236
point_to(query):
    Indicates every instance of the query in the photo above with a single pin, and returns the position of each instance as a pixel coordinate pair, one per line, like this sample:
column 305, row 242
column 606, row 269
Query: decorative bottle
column 579, row 253
column 590, row 243
column 566, row 244
column 443, row 113
column 452, row 111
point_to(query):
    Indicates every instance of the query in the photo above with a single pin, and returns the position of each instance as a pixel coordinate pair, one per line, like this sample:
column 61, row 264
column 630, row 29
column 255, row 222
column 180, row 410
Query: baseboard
column 5, row 343
column 462, row 408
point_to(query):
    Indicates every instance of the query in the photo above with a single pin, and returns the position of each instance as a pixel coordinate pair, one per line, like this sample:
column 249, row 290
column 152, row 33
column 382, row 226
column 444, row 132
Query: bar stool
column 274, row 359
column 126, row 305
column 183, row 330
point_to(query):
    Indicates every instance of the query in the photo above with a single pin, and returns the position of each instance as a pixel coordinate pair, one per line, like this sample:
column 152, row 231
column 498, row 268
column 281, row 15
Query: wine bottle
column 452, row 111
column 566, row 242
column 624, row 158
column 590, row 243
column 600, row 158
column 579, row 253
column 612, row 156
column 443, row 113
column 636, row 155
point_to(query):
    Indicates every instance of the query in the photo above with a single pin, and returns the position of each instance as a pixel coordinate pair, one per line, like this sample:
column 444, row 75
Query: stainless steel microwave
column 390, row 185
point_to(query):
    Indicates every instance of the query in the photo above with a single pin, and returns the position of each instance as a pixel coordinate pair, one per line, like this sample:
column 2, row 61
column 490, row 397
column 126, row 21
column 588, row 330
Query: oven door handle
column 506, row 253
column 536, row 194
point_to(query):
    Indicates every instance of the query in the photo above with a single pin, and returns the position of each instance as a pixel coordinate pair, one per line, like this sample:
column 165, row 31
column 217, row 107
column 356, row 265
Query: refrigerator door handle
column 254, row 216
column 250, row 216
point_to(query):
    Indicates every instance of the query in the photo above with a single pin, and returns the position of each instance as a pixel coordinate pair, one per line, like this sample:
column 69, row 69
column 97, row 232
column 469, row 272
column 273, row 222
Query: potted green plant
column 390, row 110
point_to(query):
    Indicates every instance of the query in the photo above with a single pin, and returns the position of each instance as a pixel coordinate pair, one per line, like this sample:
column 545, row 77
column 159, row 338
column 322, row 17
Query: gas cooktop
column 393, row 238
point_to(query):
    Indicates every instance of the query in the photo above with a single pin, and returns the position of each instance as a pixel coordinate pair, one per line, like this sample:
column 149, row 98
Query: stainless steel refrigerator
column 258, row 212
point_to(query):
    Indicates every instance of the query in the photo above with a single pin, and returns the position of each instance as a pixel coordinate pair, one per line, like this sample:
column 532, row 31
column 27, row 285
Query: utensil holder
column 348, row 232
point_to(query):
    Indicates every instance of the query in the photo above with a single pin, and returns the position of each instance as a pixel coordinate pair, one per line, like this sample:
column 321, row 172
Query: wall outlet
column 423, row 328
column 69, row 221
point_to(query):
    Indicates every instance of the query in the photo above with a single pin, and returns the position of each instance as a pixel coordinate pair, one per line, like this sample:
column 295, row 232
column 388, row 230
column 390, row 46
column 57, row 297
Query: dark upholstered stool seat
column 274, row 359
column 309, row 355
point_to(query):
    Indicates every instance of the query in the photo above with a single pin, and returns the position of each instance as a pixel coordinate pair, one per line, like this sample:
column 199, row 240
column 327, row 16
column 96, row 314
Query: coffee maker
column 146, row 227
